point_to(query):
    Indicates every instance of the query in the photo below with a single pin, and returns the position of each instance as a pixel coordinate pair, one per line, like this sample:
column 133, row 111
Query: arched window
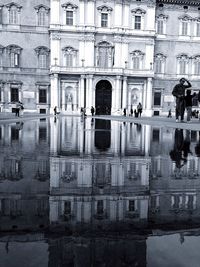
column 196, row 65
column 14, row 52
column 14, row 13
column 137, row 59
column 160, row 60
column 43, row 56
column 42, row 15
column 183, row 61
column 70, row 56
column 161, row 21
column 184, row 25
column 104, row 55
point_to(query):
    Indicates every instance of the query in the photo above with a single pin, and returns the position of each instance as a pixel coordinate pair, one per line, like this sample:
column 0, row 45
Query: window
column 1, row 15
column 42, row 15
column 183, row 61
column 14, row 93
column 131, row 206
column 14, row 13
column 158, row 66
column 43, row 56
column 157, row 98
column 1, row 55
column 184, row 28
column 137, row 59
column 42, row 96
column 182, row 67
column 161, row 22
column 160, row 27
column 104, row 20
column 137, row 25
column 160, row 60
column 197, row 68
column 138, row 18
column 14, row 54
column 104, row 55
column 69, row 18
column 70, row 56
column 70, row 14
column 198, row 29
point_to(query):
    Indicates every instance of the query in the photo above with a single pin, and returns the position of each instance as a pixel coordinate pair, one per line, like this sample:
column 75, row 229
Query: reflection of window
column 42, row 96
column 131, row 206
column 67, row 207
column 155, row 135
column 14, row 93
column 14, row 134
column 100, row 207
column 42, row 133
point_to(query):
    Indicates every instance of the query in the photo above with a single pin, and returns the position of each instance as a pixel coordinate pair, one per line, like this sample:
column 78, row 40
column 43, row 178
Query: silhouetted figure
column 131, row 112
column 135, row 113
column 55, row 110
column 124, row 112
column 139, row 109
column 92, row 110
column 179, row 93
column 186, row 145
column 188, row 104
column 169, row 114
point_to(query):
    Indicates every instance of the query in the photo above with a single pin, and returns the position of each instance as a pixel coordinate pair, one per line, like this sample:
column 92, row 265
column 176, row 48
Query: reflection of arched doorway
column 102, row 134
column 103, row 97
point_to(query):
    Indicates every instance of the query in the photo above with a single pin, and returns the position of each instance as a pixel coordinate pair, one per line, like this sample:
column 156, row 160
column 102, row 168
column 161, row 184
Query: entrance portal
column 103, row 97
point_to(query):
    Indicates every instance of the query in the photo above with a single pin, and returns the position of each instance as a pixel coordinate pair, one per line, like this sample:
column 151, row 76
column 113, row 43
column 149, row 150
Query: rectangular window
column 137, row 25
column 104, row 20
column 157, row 98
column 136, row 63
column 69, row 60
column 160, row 27
column 41, row 19
column 42, row 134
column 69, row 18
column 14, row 134
column 158, row 66
column 155, row 135
column 42, row 96
column 100, row 207
column 198, row 29
column 13, row 16
column 67, row 207
column 131, row 206
column 182, row 67
column 43, row 61
column 14, row 94
column 184, row 28
column 197, row 68
column 14, row 59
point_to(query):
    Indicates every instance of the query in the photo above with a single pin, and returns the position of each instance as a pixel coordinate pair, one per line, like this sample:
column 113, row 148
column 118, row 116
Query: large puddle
column 86, row 192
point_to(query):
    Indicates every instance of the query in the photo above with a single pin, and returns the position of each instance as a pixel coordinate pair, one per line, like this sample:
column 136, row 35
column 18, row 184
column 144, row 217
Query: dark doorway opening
column 103, row 98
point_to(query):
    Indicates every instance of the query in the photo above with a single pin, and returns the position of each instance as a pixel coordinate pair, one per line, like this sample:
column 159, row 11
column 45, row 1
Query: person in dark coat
column 92, row 110
column 188, row 103
column 179, row 93
column 131, row 112
column 139, row 109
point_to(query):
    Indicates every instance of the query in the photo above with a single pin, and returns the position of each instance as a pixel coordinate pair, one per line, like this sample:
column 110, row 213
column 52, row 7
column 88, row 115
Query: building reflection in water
column 101, row 176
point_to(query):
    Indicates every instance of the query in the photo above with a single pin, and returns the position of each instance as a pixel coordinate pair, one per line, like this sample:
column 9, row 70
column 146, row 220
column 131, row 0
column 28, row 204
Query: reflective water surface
column 86, row 192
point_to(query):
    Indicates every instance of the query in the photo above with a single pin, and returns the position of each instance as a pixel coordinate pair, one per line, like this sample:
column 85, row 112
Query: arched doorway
column 103, row 97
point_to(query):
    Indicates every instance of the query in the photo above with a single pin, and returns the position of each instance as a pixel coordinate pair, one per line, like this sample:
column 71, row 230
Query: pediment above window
column 69, row 6
column 42, row 50
column 162, row 16
column 1, row 49
column 137, row 53
column 14, row 48
column 69, row 50
column 185, row 18
column 104, row 44
column 138, row 11
column 197, row 19
column 197, row 58
column 13, row 4
column 40, row 7
column 160, row 56
column 104, row 8
column 183, row 57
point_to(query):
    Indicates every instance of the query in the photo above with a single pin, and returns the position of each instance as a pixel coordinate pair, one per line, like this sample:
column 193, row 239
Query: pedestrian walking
column 17, row 109
column 124, row 112
column 131, row 112
column 169, row 114
column 139, row 109
column 92, row 110
column 188, row 103
column 55, row 110
column 179, row 93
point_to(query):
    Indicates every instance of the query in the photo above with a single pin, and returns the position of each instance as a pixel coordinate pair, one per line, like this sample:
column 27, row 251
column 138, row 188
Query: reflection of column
column 118, row 93
column 53, row 212
column 124, row 93
column 145, row 174
column 75, row 100
column 147, row 132
column 89, row 83
column 81, row 92
column 54, row 92
column 149, row 98
column 143, row 208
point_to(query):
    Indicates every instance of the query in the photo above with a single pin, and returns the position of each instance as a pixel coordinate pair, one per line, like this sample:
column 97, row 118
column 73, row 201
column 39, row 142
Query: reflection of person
column 188, row 103
column 124, row 112
column 55, row 110
column 176, row 153
column 131, row 112
column 169, row 114
column 179, row 93
column 197, row 148
column 92, row 110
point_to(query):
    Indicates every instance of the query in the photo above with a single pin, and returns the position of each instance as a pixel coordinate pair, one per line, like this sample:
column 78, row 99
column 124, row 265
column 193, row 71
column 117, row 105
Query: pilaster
column 125, row 92
column 55, row 12
column 54, row 92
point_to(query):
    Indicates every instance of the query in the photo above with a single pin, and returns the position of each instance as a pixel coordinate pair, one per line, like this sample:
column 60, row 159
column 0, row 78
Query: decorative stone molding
column 13, row 49
column 137, row 53
column 13, row 4
column 160, row 56
column 104, row 9
column 162, row 16
column 138, row 11
column 117, row 39
column 42, row 50
column 69, row 50
column 185, row 18
column 55, row 36
column 183, row 57
column 89, row 38
column 69, row 6
column 37, row 8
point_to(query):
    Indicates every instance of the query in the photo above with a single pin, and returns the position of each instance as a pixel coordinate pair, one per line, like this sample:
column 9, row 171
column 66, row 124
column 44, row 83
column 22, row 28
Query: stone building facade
column 107, row 54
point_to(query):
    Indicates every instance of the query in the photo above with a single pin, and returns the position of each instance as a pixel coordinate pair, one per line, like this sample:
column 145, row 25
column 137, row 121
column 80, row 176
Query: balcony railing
column 102, row 71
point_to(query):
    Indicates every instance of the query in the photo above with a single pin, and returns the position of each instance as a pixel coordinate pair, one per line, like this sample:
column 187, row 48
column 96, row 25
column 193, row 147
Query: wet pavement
column 103, row 191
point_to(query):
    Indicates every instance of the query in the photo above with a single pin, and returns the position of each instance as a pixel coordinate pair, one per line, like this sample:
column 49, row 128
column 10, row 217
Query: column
column 124, row 105
column 117, row 54
column 81, row 50
column 118, row 14
column 89, row 50
column 55, row 12
column 117, row 94
column 81, row 12
column 75, row 97
column 89, row 89
column 148, row 111
column 55, row 48
column 54, row 92
column 90, row 13
column 81, row 92
column 151, row 17
column 63, row 96
column 149, row 55
column 126, row 16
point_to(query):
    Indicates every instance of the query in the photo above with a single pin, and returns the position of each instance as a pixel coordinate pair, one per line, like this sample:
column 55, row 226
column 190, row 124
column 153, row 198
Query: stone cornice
column 180, row 2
